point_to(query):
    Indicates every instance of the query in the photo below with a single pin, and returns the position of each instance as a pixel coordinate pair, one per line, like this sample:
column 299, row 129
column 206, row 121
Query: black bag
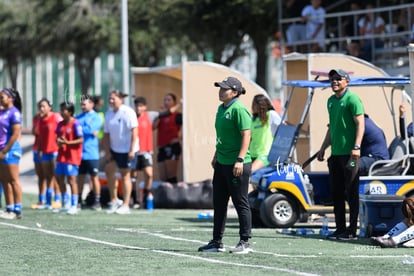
column 197, row 195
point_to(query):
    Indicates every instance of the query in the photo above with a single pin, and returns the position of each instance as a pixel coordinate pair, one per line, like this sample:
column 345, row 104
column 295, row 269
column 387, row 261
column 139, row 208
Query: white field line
column 49, row 232
column 164, row 236
column 167, row 237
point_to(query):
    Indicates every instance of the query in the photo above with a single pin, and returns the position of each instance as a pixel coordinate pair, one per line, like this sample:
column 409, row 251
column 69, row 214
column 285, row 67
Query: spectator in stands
column 351, row 30
column 412, row 34
column 373, row 146
column 41, row 181
column 232, row 166
column 296, row 31
column 91, row 124
column 351, row 22
column 264, row 125
column 168, row 140
column 10, row 151
column 47, row 150
column 70, row 139
column 121, row 144
column 314, row 17
column 371, row 26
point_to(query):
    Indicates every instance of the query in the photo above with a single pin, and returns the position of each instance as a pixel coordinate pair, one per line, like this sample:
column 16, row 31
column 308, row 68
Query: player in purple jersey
column 10, row 151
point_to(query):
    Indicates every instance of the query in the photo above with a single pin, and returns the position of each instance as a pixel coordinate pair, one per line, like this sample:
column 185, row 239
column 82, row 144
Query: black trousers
column 226, row 185
column 344, row 184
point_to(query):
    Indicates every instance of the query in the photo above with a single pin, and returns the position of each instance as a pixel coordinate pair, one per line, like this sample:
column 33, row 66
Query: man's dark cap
column 340, row 73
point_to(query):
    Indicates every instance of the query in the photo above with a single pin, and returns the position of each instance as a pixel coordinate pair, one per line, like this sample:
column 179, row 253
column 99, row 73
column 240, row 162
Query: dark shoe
column 97, row 206
column 347, row 236
column 383, row 242
column 334, row 235
column 212, row 246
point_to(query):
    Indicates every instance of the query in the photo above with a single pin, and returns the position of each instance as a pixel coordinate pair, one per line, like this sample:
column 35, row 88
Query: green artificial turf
column 165, row 242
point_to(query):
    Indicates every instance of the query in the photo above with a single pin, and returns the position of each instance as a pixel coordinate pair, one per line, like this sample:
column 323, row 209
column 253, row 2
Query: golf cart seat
column 283, row 142
column 279, row 153
column 397, row 165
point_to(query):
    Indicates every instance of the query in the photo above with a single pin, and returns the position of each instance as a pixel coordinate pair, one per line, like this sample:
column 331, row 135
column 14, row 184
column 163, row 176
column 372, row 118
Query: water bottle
column 324, row 230
column 205, row 215
column 150, row 202
column 286, row 231
column 304, row 231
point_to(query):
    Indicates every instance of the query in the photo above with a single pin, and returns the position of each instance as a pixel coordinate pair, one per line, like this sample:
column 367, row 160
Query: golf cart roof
column 369, row 81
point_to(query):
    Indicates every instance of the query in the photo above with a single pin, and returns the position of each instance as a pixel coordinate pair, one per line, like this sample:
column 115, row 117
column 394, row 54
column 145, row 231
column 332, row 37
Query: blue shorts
column 36, row 158
column 90, row 167
column 48, row 157
column 66, row 169
column 13, row 156
column 121, row 160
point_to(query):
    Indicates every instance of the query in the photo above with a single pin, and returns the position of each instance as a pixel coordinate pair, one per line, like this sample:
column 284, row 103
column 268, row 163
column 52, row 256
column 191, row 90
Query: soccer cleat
column 123, row 210
column 383, row 242
column 212, row 246
column 113, row 206
column 334, row 235
column 8, row 215
column 243, row 247
column 97, row 206
column 73, row 210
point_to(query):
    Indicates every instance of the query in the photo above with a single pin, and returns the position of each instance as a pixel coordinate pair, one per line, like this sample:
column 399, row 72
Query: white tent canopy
column 193, row 82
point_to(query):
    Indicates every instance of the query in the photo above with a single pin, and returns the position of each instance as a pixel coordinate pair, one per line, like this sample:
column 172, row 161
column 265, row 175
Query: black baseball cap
column 340, row 73
column 230, row 83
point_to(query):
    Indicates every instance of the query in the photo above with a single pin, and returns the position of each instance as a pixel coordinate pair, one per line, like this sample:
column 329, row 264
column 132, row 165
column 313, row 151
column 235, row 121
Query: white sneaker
column 113, row 206
column 8, row 215
column 242, row 247
column 66, row 207
column 73, row 210
column 123, row 210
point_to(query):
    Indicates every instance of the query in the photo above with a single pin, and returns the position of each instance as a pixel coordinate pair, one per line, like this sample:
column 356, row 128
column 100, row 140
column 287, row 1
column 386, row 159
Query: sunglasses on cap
column 336, row 78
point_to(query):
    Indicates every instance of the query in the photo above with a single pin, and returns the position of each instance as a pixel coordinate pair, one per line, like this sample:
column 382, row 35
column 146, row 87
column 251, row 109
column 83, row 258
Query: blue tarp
column 371, row 81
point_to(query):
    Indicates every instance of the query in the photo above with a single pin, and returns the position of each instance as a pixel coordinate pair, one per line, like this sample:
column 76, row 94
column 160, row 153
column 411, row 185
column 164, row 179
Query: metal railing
column 391, row 56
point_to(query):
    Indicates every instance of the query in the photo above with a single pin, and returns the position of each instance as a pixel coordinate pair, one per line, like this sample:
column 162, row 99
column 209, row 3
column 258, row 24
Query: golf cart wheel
column 278, row 210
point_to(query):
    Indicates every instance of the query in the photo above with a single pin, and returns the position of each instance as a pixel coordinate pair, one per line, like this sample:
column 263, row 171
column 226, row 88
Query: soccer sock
column 406, row 235
column 9, row 208
column 58, row 197
column 98, row 198
column 397, row 229
column 66, row 198
column 42, row 198
column 49, row 194
column 74, row 200
column 18, row 208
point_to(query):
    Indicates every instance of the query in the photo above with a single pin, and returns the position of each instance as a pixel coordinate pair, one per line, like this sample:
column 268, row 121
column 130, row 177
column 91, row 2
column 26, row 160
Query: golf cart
column 285, row 193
